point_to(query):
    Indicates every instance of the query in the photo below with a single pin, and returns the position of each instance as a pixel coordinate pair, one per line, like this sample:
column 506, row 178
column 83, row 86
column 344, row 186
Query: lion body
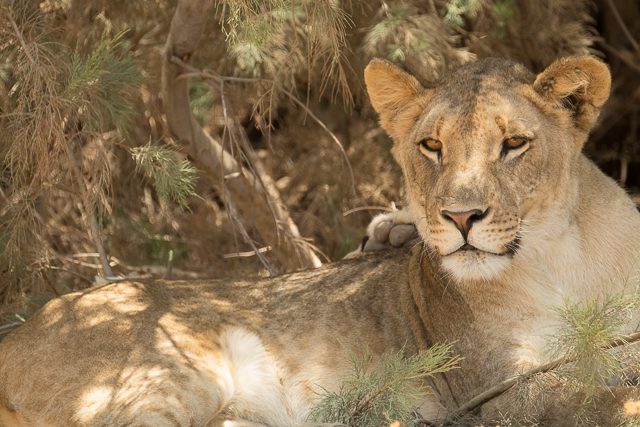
column 554, row 229
column 180, row 353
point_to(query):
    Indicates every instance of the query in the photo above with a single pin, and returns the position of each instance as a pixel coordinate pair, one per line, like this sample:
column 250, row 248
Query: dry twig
column 90, row 211
column 507, row 384
column 621, row 56
column 367, row 208
column 207, row 74
column 623, row 26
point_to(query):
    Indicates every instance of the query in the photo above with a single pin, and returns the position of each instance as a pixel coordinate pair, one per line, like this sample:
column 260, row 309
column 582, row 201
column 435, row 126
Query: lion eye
column 514, row 143
column 430, row 145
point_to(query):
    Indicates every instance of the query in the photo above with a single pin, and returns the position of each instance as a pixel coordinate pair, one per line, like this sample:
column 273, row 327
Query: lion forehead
column 479, row 100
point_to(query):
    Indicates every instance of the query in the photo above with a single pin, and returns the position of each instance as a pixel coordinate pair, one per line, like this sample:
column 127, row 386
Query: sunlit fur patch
column 475, row 265
column 93, row 401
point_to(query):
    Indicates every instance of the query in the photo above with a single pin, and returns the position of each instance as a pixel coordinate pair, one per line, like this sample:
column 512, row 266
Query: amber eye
column 514, row 142
column 430, row 144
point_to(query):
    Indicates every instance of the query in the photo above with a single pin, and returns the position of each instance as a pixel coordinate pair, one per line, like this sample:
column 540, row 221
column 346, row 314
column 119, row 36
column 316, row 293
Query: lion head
column 489, row 154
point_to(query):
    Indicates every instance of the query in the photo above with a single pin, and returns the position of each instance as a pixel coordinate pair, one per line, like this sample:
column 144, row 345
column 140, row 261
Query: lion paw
column 390, row 229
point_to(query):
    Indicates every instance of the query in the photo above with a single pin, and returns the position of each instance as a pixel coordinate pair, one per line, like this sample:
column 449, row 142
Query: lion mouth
column 470, row 249
column 511, row 249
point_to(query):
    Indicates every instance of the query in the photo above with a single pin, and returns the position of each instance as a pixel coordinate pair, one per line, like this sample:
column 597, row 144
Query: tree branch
column 187, row 26
column 90, row 212
column 194, row 72
column 507, row 384
column 623, row 26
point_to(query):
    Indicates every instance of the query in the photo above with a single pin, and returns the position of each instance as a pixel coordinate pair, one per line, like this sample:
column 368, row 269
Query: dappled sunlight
column 93, row 401
column 348, row 290
column 53, row 308
column 100, row 318
column 174, row 337
column 126, row 298
column 169, row 322
column 632, row 408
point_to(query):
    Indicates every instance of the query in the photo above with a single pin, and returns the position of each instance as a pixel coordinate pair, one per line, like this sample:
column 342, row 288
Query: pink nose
column 464, row 220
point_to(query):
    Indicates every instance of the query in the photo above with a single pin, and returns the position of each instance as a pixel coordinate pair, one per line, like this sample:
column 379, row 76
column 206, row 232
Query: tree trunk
column 270, row 218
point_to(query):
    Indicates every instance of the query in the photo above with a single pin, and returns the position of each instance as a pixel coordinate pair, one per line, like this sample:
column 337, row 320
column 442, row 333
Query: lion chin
column 475, row 265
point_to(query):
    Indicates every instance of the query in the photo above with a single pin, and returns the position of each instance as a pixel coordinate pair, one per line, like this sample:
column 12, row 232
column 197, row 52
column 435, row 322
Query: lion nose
column 465, row 219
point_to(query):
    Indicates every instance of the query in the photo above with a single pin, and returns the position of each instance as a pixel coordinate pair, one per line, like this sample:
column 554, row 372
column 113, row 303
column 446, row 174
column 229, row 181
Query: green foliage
column 285, row 41
column 100, row 86
column 382, row 33
column 457, row 9
column 392, row 18
column 328, row 24
column 18, row 245
column 256, row 40
column 58, row 107
column 420, row 41
column 152, row 245
column 584, row 333
column 503, row 10
column 249, row 57
column 201, row 100
column 173, row 178
column 236, row 14
column 375, row 395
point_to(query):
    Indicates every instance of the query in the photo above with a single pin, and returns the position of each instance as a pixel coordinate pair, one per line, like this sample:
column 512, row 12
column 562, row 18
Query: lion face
column 487, row 155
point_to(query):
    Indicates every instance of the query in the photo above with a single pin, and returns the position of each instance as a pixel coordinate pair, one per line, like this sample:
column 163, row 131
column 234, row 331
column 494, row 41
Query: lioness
column 514, row 220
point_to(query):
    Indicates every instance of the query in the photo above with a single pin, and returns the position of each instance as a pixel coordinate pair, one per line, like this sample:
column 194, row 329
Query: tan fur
column 10, row 418
column 584, row 77
column 256, row 351
column 556, row 230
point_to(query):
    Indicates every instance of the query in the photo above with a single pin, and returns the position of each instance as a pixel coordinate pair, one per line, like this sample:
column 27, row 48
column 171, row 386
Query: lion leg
column 182, row 406
column 561, row 405
column 245, row 423
column 234, row 423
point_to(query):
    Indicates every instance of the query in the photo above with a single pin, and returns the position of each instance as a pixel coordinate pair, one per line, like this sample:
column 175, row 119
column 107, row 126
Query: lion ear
column 580, row 84
column 395, row 95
